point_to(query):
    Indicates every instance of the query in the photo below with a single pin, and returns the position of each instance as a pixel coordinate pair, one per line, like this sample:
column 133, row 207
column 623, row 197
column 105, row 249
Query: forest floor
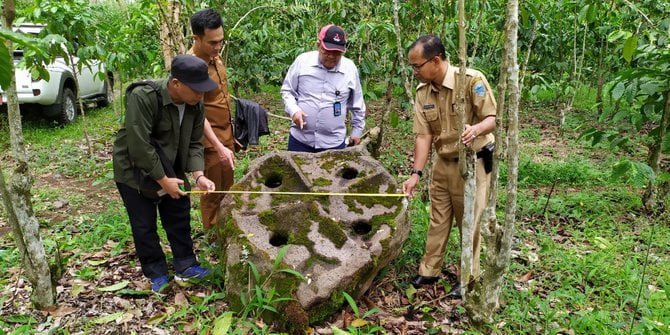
column 586, row 259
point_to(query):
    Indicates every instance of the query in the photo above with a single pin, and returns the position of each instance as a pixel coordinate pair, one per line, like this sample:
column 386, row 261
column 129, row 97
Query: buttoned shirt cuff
column 357, row 132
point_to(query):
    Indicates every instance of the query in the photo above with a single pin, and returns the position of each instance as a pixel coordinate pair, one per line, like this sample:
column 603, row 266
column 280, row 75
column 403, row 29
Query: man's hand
column 354, row 140
column 171, row 187
column 469, row 134
column 298, row 119
column 204, row 184
column 409, row 185
column 226, row 156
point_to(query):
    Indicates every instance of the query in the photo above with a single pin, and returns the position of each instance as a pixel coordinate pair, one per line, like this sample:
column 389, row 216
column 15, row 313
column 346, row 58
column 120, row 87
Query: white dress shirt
column 313, row 89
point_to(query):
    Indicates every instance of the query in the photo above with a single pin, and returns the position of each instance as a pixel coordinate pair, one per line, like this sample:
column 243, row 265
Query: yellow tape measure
column 305, row 193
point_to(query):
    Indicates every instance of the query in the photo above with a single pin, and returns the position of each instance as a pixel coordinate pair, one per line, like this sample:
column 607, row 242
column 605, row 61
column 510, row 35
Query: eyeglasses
column 418, row 67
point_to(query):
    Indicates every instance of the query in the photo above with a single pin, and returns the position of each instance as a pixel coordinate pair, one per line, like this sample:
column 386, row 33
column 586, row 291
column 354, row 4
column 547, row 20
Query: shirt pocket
column 164, row 126
column 433, row 118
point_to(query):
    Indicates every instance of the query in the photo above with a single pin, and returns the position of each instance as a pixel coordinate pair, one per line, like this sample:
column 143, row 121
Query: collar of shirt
column 165, row 95
column 449, row 80
column 316, row 63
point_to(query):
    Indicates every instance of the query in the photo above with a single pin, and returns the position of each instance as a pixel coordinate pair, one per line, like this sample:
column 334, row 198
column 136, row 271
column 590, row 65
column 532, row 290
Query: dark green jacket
column 182, row 145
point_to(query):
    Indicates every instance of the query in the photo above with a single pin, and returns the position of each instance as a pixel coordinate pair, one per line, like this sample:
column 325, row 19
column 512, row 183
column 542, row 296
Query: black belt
column 480, row 154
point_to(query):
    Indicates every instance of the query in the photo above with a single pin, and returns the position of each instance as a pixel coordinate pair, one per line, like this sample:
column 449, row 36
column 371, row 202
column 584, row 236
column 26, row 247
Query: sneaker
column 192, row 275
column 160, row 284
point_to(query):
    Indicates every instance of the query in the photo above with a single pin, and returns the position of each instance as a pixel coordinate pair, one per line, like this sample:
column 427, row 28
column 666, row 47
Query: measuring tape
column 304, row 193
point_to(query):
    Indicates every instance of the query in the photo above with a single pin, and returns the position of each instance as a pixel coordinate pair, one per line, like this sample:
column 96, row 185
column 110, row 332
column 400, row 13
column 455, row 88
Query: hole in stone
column 349, row 173
column 362, row 227
column 279, row 239
column 273, row 181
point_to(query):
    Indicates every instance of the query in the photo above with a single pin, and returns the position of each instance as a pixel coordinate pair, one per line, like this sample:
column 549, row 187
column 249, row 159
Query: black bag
column 149, row 187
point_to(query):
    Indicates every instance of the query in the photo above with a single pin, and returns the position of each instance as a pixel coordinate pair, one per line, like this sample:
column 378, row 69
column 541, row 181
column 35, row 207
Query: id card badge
column 337, row 109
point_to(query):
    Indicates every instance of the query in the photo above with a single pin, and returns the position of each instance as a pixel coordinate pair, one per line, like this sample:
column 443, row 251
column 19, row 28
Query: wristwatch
column 416, row 172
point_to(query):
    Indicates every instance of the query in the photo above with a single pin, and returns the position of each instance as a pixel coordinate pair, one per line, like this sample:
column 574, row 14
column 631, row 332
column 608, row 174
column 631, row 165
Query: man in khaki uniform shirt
column 436, row 122
column 207, row 27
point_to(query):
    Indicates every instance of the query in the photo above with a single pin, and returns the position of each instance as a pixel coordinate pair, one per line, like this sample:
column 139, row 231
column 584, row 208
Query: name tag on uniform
column 430, row 106
column 337, row 109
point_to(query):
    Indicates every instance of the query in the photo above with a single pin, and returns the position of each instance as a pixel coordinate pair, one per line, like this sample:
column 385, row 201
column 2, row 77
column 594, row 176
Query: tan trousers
column 223, row 178
column 446, row 204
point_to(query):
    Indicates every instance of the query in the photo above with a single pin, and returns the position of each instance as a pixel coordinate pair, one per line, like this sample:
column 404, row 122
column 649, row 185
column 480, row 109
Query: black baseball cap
column 192, row 71
column 333, row 38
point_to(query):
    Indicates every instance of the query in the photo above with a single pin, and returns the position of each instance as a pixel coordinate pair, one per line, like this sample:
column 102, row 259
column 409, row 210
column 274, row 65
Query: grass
column 580, row 248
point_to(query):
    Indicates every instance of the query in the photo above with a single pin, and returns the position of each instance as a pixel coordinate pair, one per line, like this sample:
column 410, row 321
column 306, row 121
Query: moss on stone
column 337, row 159
column 333, row 231
column 371, row 185
column 352, row 205
column 299, row 160
column 295, row 222
column 320, row 182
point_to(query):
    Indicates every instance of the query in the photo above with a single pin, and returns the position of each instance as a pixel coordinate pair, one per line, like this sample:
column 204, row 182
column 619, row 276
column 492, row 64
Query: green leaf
column 133, row 293
column 651, row 87
column 394, row 119
column 618, row 34
column 254, row 271
column 293, row 272
column 157, row 319
column 338, row 331
column 223, row 323
column 409, row 292
column 351, row 302
column 280, row 255
column 108, row 318
column 602, row 242
column 621, row 168
column 114, row 287
column 629, row 48
column 6, row 67
column 583, row 14
column 96, row 262
column 618, row 91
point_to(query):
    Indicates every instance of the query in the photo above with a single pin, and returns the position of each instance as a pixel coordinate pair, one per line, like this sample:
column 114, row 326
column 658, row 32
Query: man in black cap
column 164, row 125
column 319, row 90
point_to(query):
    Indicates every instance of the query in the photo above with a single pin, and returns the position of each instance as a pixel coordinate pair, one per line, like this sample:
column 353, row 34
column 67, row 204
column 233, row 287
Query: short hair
column 205, row 19
column 431, row 46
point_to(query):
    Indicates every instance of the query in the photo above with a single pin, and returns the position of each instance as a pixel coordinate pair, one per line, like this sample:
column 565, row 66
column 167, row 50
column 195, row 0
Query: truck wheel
column 67, row 109
column 108, row 98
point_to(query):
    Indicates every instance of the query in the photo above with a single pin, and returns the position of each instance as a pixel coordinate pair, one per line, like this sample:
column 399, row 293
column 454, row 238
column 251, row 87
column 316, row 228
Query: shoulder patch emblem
column 479, row 89
column 429, row 106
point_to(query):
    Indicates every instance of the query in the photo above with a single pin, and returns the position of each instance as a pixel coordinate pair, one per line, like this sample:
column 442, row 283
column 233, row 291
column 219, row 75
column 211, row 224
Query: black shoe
column 455, row 292
column 420, row 280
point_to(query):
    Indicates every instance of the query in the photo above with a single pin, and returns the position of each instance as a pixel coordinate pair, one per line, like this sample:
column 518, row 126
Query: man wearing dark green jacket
column 174, row 125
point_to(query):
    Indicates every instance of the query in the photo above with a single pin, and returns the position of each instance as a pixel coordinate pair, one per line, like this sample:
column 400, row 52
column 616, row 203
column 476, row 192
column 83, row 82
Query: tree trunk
column 401, row 53
column 16, row 197
column 524, row 67
column 485, row 299
column 654, row 158
column 383, row 122
column 84, row 126
column 172, row 39
column 601, row 74
column 467, row 168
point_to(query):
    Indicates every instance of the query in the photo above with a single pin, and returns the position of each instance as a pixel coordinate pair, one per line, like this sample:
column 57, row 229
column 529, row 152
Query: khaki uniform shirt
column 217, row 105
column 181, row 141
column 435, row 110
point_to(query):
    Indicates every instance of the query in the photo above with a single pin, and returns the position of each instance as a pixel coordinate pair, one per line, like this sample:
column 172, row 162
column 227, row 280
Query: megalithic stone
column 338, row 243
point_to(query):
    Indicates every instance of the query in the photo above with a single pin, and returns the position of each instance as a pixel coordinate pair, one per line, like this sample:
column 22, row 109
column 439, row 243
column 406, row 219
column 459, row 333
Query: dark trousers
column 176, row 220
column 295, row 145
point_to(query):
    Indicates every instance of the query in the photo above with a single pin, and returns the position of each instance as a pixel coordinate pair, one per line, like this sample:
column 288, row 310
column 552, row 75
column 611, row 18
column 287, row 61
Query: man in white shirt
column 319, row 90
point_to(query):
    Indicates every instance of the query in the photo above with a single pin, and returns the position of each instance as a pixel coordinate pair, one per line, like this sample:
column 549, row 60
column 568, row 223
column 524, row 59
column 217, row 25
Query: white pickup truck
column 57, row 98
